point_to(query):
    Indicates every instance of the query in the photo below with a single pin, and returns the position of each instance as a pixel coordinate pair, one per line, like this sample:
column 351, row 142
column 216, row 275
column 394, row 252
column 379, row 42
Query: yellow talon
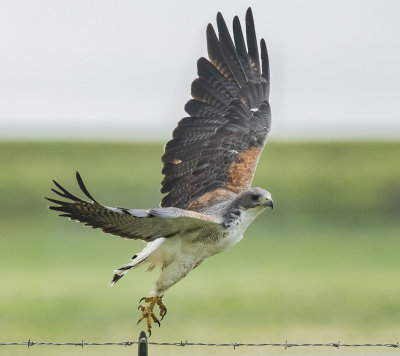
column 147, row 311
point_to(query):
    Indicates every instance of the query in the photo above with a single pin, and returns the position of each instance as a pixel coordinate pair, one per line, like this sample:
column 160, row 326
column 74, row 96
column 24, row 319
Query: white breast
column 235, row 232
column 177, row 248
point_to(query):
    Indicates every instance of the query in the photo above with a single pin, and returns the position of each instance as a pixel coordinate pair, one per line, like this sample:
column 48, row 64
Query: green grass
column 322, row 266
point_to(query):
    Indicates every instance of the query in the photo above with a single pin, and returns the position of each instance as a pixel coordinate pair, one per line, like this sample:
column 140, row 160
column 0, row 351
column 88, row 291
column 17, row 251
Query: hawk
column 208, row 168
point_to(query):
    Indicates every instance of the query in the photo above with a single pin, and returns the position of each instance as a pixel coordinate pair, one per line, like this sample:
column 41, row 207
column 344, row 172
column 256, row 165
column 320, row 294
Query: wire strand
column 285, row 345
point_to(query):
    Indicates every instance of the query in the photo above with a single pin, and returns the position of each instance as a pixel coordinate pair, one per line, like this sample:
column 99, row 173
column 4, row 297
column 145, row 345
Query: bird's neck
column 244, row 217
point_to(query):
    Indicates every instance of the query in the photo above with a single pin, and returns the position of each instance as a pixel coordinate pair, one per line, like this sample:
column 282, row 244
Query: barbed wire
column 285, row 344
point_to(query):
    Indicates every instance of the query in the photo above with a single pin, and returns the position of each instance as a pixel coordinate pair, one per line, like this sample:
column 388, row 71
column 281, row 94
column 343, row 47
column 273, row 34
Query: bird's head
column 255, row 198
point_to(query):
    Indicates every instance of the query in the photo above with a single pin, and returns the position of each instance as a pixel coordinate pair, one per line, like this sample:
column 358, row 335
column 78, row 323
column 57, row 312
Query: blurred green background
column 322, row 266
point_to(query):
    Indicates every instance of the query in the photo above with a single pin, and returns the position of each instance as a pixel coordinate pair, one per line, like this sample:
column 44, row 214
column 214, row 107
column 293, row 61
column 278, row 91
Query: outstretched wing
column 146, row 225
column 214, row 152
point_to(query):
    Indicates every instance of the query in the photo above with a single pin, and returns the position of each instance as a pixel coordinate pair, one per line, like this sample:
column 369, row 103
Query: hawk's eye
column 254, row 197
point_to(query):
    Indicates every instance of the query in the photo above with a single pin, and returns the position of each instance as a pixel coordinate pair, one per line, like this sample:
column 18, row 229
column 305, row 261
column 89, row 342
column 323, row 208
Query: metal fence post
column 142, row 346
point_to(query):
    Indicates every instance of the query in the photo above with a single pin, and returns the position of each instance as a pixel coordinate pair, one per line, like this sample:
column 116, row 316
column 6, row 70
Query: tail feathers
column 138, row 260
column 120, row 272
column 116, row 278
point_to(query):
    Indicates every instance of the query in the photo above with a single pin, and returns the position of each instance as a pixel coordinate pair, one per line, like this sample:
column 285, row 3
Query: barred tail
column 138, row 260
column 120, row 272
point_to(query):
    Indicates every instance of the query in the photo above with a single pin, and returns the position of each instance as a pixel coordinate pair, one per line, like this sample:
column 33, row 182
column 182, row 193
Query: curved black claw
column 142, row 299
column 165, row 313
column 149, row 333
column 138, row 308
column 158, row 322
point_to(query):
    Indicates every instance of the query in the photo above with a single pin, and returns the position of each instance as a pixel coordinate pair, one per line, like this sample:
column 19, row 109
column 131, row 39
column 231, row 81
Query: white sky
column 114, row 69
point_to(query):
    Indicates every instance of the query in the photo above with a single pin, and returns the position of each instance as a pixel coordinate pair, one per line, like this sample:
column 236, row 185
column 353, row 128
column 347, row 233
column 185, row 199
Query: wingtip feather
column 59, row 186
column 220, row 19
column 83, row 187
column 249, row 11
column 252, row 44
column 264, row 60
column 55, row 201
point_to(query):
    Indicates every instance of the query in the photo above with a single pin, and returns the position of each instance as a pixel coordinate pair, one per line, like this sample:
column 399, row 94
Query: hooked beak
column 270, row 203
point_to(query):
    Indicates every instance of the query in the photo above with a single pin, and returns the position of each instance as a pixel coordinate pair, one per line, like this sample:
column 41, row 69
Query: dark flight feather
column 229, row 51
column 252, row 44
column 216, row 55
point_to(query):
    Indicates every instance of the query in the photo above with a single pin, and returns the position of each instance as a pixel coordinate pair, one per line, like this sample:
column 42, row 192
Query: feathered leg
column 171, row 274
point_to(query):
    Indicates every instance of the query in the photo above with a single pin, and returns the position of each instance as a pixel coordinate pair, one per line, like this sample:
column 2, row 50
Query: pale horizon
column 122, row 71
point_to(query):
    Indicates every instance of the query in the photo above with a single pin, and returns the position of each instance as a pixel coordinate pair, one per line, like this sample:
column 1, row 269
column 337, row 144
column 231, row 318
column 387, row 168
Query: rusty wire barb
column 234, row 345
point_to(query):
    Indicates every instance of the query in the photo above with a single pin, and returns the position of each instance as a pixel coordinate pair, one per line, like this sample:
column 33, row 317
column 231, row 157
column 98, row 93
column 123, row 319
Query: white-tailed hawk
column 208, row 168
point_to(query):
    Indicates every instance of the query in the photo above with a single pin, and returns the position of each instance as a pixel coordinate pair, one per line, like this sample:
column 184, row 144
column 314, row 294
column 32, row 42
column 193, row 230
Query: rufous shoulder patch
column 241, row 171
column 209, row 198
